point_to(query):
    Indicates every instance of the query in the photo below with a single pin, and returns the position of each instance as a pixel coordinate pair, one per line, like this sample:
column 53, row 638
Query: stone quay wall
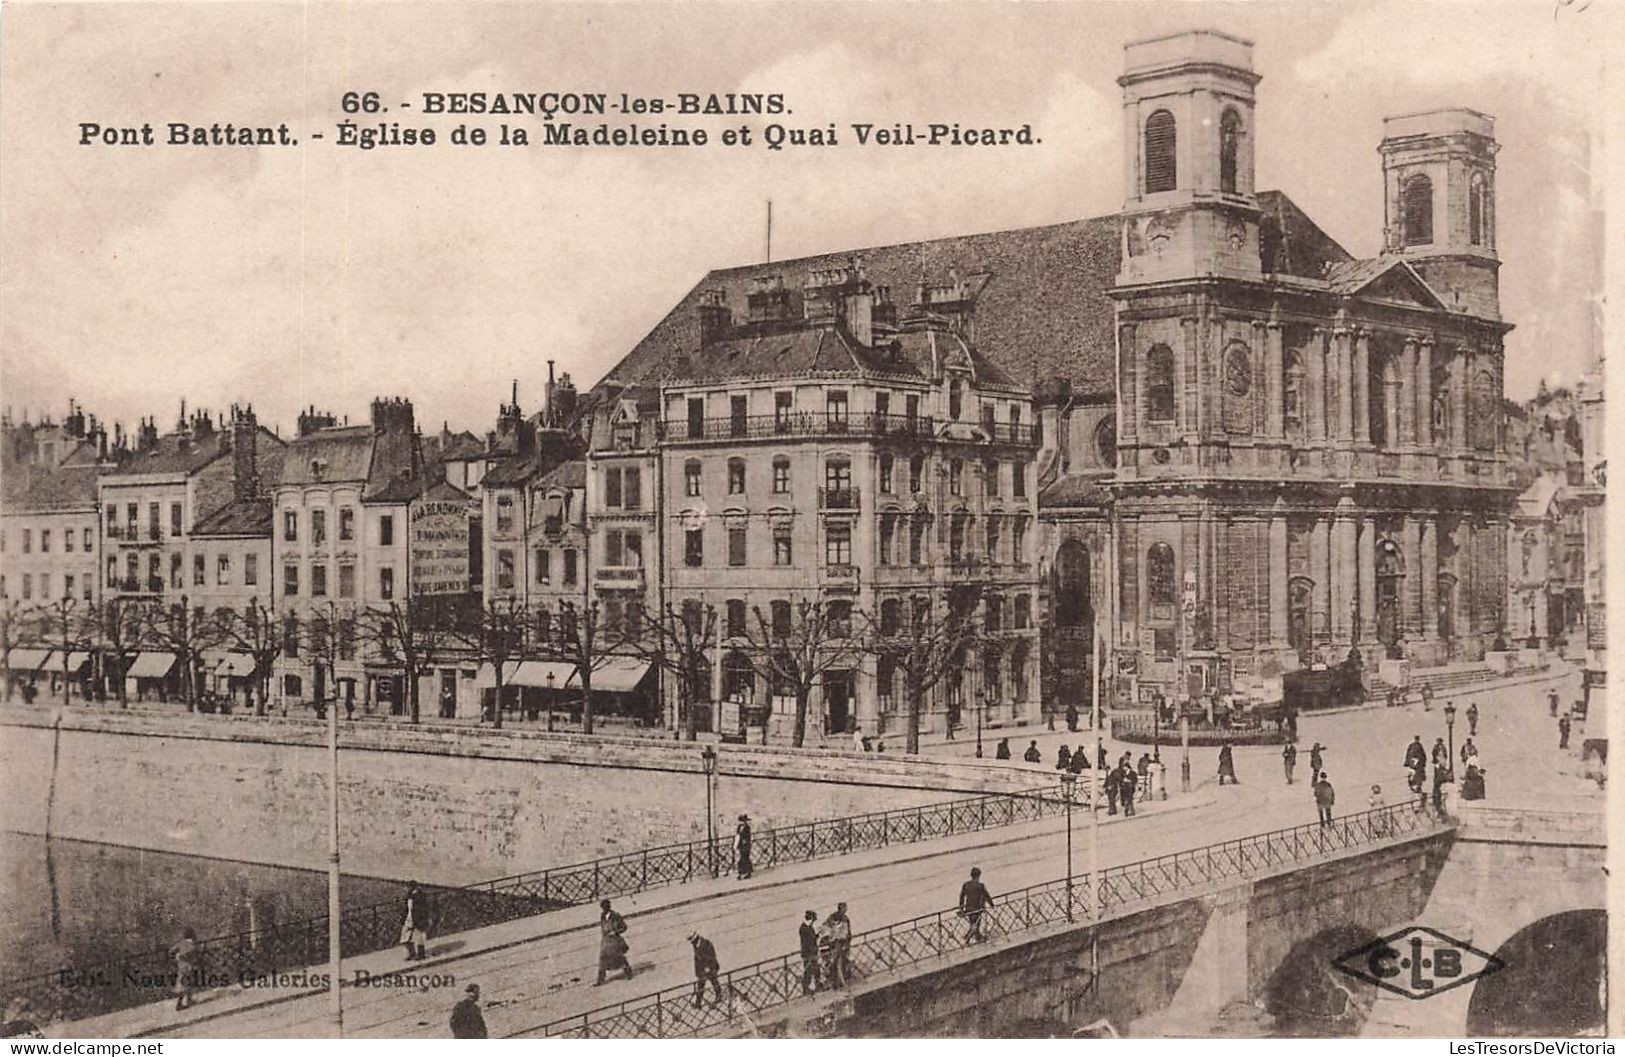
column 441, row 804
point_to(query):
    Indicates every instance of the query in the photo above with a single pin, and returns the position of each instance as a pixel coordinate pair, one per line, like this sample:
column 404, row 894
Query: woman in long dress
column 414, row 929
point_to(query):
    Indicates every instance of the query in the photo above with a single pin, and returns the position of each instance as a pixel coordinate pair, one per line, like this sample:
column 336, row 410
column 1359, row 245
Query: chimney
column 549, row 396
column 147, row 438
column 244, row 453
column 769, row 301
column 716, row 318
column 857, row 308
column 392, row 415
column 311, row 420
column 564, row 396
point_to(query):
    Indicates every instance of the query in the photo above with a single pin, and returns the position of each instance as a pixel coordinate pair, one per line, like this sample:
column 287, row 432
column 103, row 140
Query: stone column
column 1267, row 355
column 1340, row 393
column 1184, row 378
column 1428, row 565
column 1315, row 382
column 1129, row 408
column 1411, row 603
column 1408, row 432
column 1424, row 393
column 1320, row 568
column 1361, row 410
column 1278, row 573
column 1458, row 398
column 1343, row 581
column 1368, row 580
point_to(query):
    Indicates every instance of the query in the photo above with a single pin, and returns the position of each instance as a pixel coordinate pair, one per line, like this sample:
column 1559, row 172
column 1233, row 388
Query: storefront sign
column 440, row 547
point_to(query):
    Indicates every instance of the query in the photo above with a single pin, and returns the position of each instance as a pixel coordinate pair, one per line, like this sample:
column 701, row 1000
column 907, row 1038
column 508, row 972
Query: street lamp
column 708, row 763
column 981, row 706
column 1069, row 783
column 1450, row 730
column 551, row 677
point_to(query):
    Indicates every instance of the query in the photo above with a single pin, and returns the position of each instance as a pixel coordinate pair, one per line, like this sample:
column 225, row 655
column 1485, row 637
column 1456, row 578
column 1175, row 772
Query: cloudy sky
column 131, row 277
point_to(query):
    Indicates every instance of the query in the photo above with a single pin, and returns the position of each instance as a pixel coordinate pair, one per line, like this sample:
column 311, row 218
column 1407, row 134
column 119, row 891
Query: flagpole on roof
column 768, row 255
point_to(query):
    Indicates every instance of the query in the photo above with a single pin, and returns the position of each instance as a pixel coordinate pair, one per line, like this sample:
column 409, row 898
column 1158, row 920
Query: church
column 1255, row 451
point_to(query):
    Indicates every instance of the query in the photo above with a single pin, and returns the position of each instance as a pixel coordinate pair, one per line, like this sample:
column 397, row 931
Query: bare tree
column 585, row 636
column 69, row 630
column 409, row 634
column 120, row 623
column 185, row 633
column 497, row 633
column 925, row 644
column 18, row 623
column 254, row 631
column 680, row 645
column 794, row 647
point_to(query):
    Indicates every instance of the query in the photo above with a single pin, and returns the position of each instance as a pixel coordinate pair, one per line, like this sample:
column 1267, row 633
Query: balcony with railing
column 798, row 424
column 841, row 572
column 618, row 575
column 838, row 498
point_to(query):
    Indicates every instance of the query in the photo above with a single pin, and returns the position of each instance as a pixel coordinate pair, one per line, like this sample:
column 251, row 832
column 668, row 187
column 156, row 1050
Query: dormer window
column 318, row 469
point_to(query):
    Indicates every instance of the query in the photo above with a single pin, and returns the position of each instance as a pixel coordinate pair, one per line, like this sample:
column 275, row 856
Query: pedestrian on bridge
column 1114, row 785
column 810, row 976
column 1551, row 699
column 1415, row 755
column 1032, row 755
column 1080, row 762
column 1063, row 758
column 1441, row 755
column 1472, row 719
column 1325, row 797
column 835, row 941
column 1227, row 765
column 1316, row 761
column 1003, row 751
column 466, row 1021
column 1427, row 697
column 414, row 928
column 1072, row 717
column 185, row 955
column 1564, row 725
column 1469, row 754
column 612, row 945
column 1289, row 760
column 974, row 899
column 706, row 968
column 742, row 839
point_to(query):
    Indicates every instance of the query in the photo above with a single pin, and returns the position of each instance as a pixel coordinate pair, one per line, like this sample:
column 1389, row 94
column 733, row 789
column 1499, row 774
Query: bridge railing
column 758, row 990
column 104, row 986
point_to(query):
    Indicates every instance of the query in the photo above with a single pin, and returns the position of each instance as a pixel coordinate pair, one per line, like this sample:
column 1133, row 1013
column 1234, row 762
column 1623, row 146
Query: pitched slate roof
column 173, row 454
column 388, row 462
column 1041, row 311
column 40, row 488
column 240, row 517
column 572, row 474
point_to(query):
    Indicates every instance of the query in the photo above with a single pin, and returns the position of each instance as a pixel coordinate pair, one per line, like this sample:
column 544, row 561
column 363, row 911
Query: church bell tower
column 1189, row 209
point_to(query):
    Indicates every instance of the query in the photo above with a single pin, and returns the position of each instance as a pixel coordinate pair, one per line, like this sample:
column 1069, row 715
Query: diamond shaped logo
column 1418, row 962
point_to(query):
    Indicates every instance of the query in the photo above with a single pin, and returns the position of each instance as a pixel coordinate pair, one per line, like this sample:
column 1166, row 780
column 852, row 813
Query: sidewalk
column 460, row 954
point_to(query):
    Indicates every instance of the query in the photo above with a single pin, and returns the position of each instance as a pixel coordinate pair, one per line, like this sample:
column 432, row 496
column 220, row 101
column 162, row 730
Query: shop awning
column 24, row 659
column 535, row 673
column 151, row 665
column 77, row 660
column 237, row 665
column 620, row 675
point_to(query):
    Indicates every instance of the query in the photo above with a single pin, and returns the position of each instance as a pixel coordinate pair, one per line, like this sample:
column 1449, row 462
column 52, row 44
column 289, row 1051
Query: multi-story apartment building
column 822, row 450
column 173, row 509
column 341, row 545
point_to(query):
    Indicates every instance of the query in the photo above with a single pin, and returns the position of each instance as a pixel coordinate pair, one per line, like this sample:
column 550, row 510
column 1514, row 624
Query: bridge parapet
column 1584, row 824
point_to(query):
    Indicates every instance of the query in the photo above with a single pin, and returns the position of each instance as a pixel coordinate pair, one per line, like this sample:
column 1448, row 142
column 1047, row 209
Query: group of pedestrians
column 826, row 950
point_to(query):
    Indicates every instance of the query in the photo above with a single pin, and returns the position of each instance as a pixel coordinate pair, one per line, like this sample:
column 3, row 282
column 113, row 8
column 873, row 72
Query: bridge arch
column 1307, row 997
column 1552, row 983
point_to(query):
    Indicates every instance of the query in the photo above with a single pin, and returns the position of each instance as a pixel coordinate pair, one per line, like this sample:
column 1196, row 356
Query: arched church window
column 1483, row 414
column 1475, row 212
column 1159, row 574
column 1106, row 441
column 1229, row 148
column 1161, row 168
column 1159, row 384
column 1417, row 208
column 1292, row 390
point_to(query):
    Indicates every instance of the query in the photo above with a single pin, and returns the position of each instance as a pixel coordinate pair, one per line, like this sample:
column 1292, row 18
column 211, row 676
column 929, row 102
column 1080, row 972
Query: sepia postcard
column 806, row 520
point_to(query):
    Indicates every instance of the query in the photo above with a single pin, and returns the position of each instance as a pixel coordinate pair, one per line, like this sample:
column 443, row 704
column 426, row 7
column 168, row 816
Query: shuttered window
column 1161, row 169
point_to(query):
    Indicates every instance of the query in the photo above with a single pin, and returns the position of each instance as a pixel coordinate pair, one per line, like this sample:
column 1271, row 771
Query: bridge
column 1226, row 917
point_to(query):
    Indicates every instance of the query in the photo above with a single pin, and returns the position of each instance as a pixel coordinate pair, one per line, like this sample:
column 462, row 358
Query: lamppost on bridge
column 1069, row 784
column 551, row 678
column 708, row 763
column 981, row 707
column 1450, row 731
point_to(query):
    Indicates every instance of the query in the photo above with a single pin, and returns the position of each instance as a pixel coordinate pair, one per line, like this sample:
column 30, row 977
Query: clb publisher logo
column 1418, row 962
